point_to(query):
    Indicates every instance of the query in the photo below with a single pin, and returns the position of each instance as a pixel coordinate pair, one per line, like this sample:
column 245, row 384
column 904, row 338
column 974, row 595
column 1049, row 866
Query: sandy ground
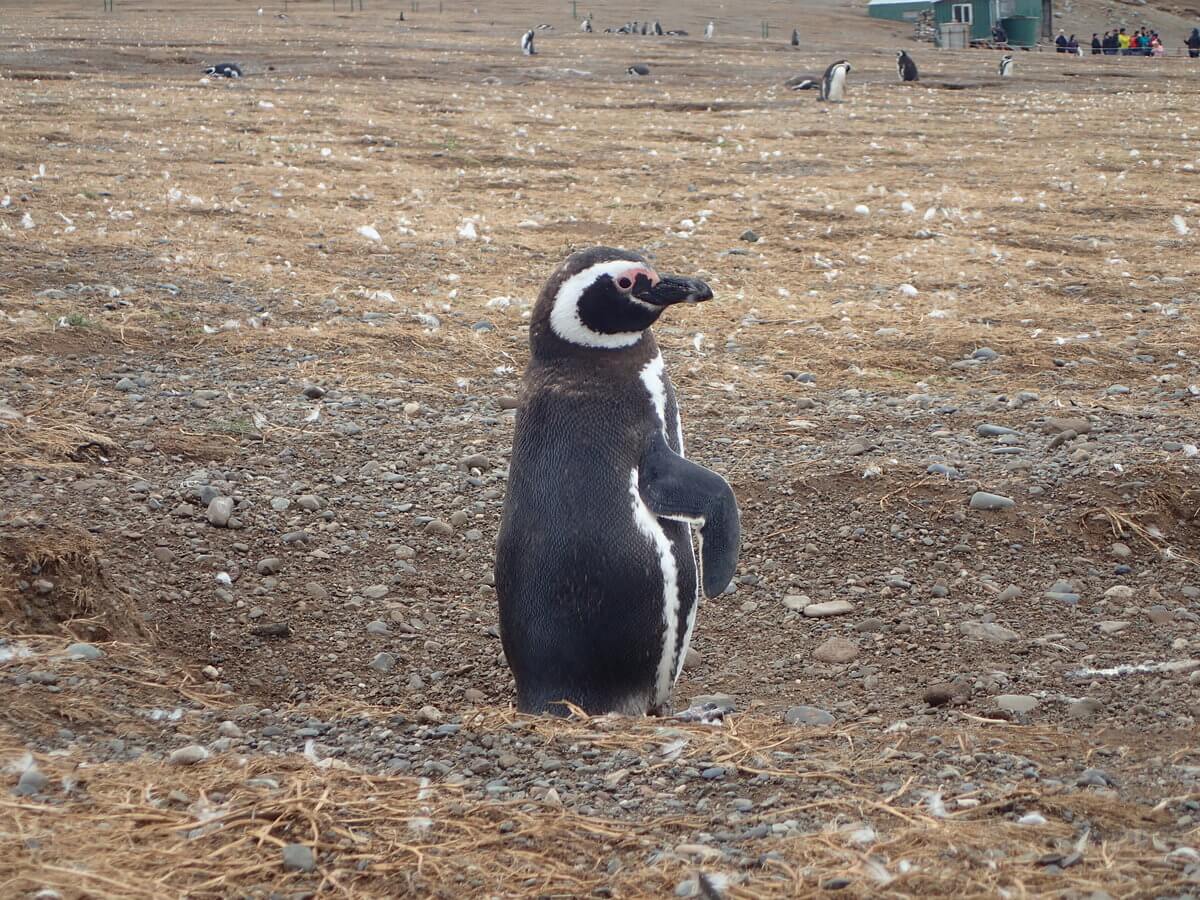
column 305, row 291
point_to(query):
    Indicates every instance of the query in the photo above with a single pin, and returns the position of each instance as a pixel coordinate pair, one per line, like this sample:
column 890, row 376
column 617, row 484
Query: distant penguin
column 833, row 82
column 1006, row 66
column 709, row 30
column 645, row 28
column 636, row 27
column 586, row 26
column 658, row 29
column 545, row 27
column 224, row 70
column 905, row 67
column 527, row 43
column 638, row 69
column 803, row 83
column 596, row 575
column 795, row 38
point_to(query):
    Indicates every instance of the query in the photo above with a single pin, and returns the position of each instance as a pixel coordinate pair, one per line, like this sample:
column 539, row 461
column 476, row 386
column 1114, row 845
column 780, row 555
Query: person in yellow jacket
column 1123, row 42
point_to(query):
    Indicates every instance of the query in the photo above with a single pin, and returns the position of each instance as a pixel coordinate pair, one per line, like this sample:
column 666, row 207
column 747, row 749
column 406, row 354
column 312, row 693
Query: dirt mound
column 52, row 580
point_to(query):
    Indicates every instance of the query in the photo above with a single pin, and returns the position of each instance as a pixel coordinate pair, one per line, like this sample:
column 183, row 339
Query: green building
column 899, row 10
column 1025, row 21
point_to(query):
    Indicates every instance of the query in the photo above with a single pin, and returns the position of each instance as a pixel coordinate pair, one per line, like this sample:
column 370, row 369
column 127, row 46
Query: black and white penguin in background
column 658, row 29
column 586, row 26
column 595, row 571
column 905, row 67
column 638, row 69
column 796, row 38
column 833, row 82
column 527, row 43
column 224, row 70
column 709, row 30
column 1006, row 66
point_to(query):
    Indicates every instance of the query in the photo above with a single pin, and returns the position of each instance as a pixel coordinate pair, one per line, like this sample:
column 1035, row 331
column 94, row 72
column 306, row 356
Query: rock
column 807, row 715
column 127, row 385
column 229, row 729
column 383, row 662
column 313, row 391
column 269, row 566
column 1084, row 709
column 1112, row 626
column 749, row 237
column 1017, row 703
column 988, row 631
column 984, row 500
column 32, row 781
column 796, row 602
column 316, row 591
column 939, row 694
column 220, row 511
column 458, row 518
column 298, row 858
column 1057, row 425
column 474, row 695
column 476, row 461
column 828, row 608
column 438, row 527
column 1120, row 550
column 376, row 591
column 987, row 354
column 272, row 630
column 1095, row 778
column 870, row 625
column 429, row 715
column 309, row 502
column 377, row 626
column 84, row 651
column 692, row 660
column 1010, row 593
column 190, row 755
column 1116, row 592
column 1160, row 615
column 989, row 430
column 836, row 651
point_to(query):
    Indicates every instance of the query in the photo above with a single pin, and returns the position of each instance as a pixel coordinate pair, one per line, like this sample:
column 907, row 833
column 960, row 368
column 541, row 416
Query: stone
column 692, row 660
column 1017, row 703
column 298, row 858
column 1112, row 626
column 836, row 651
column 313, row 391
column 84, row 651
column 988, row 631
column 1095, row 778
column 438, row 527
column 989, row 430
column 190, row 755
column 1012, row 592
column 749, row 237
column 1056, row 425
column 939, row 694
column 376, row 591
column 269, row 566
column 1084, row 709
column 1120, row 550
column 377, row 626
column 309, row 502
column 32, row 781
column 220, row 511
column 429, row 715
column 383, row 662
column 828, row 608
column 984, row 500
column 796, row 602
column 807, row 715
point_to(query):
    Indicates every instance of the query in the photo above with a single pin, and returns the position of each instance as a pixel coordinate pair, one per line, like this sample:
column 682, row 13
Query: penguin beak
column 672, row 289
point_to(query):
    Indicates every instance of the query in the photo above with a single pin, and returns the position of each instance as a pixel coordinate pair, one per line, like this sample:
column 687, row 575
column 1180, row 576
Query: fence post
column 574, row 13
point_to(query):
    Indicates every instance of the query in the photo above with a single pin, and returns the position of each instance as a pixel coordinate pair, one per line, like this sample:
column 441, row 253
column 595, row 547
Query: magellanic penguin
column 638, row 69
column 527, row 43
column 905, row 67
column 595, row 571
column 795, row 37
column 224, row 70
column 833, row 82
column 586, row 26
column 709, row 30
column 658, row 29
column 1006, row 66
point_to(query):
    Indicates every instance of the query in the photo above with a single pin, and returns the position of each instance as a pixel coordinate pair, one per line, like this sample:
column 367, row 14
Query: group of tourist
column 1119, row 42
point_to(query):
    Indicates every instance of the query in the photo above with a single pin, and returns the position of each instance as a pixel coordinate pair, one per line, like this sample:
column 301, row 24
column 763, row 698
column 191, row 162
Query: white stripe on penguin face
column 565, row 320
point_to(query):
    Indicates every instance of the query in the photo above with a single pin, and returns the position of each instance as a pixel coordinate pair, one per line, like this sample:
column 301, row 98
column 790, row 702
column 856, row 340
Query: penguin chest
column 837, row 86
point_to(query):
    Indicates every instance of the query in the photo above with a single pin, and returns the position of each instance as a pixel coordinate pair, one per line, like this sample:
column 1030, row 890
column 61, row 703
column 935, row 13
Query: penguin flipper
column 676, row 488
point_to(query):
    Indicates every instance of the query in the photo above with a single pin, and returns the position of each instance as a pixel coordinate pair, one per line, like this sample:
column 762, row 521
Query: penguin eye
column 624, row 282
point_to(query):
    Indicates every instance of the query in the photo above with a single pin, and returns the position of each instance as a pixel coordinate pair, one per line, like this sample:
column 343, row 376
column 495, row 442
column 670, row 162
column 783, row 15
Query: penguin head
column 605, row 299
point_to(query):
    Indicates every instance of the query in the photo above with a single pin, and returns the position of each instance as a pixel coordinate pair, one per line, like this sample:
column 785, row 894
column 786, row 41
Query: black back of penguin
column 905, row 67
column 581, row 573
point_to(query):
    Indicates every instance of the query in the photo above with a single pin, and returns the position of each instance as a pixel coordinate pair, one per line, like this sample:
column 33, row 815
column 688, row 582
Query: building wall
column 981, row 16
column 900, row 12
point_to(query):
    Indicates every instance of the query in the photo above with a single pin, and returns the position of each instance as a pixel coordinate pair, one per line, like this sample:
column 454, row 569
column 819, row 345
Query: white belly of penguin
column 670, row 662
column 837, row 86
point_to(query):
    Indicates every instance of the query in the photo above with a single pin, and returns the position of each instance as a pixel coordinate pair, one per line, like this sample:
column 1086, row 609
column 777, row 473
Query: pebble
column 1057, row 425
column 1017, row 703
column 84, row 651
column 313, row 391
column 229, row 729
column 984, row 500
column 807, row 715
column 1120, row 550
column 429, row 715
column 1084, row 709
column 32, row 781
column 298, row 858
column 188, row 756
column 989, row 430
column 1112, row 626
column 377, row 626
column 1012, row 592
column 939, row 694
column 828, row 608
column 376, row 591
column 220, row 511
column 309, row 502
column 383, row 662
column 835, row 651
column 1094, row 778
column 870, row 625
column 269, row 566
column 749, row 237
column 437, row 526
column 692, row 660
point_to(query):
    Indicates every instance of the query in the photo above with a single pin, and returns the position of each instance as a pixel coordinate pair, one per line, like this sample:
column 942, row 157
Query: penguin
column 679, row 32
column 645, row 28
column 527, row 43
column 833, row 82
column 595, row 572
column 638, row 69
column 224, row 70
column 658, row 29
column 795, row 37
column 905, row 67
column 586, row 26
column 1006, row 66
column 803, row 83
column 545, row 27
column 709, row 30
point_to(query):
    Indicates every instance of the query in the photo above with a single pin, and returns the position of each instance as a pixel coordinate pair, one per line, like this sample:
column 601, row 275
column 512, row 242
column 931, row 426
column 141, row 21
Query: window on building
column 962, row 13
column 1006, row 9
